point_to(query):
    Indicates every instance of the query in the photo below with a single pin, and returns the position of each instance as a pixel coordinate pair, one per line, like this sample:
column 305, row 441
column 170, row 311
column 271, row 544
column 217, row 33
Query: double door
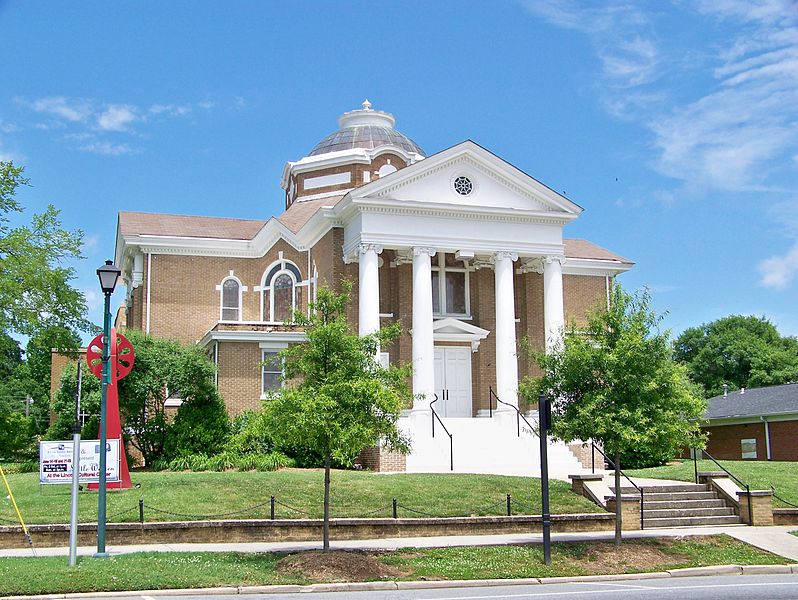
column 453, row 381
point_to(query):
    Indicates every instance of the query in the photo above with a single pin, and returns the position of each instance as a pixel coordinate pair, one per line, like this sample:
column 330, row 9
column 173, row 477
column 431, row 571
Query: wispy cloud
column 93, row 299
column 738, row 133
column 117, row 117
column 75, row 110
column 107, row 128
column 779, row 271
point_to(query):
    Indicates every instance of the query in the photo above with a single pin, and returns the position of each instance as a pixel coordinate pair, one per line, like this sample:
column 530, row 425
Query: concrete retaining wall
column 296, row 530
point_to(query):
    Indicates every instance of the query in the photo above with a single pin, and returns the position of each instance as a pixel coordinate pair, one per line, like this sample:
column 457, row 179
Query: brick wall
column 185, row 303
column 239, row 376
column 381, row 460
column 59, row 362
column 581, row 295
column 724, row 440
column 784, row 440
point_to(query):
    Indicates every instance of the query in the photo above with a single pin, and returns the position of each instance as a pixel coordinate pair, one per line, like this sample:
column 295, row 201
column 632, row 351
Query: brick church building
column 463, row 249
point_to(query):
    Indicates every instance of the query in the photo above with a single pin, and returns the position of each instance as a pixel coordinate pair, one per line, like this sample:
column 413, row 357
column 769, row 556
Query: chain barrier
column 200, row 517
column 777, row 497
column 298, row 510
column 120, row 513
column 364, row 514
column 9, row 521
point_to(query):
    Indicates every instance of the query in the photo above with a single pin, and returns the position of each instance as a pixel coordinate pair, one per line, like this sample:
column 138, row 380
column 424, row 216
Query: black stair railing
column 451, row 438
column 737, row 480
column 518, row 414
column 618, row 494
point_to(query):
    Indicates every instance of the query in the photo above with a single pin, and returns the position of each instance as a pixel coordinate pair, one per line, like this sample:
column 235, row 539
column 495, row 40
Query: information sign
column 55, row 461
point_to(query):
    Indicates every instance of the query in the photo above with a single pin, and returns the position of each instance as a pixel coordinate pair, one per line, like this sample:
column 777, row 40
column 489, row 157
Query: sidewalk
column 776, row 539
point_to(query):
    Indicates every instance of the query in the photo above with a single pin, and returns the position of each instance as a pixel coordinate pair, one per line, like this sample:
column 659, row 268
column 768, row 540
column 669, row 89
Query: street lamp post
column 108, row 275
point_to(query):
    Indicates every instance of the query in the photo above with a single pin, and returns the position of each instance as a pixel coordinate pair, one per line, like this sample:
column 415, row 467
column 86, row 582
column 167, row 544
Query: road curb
column 373, row 586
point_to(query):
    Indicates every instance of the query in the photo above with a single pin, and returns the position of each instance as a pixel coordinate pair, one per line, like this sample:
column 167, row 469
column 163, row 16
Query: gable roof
column 755, row 402
column 576, row 248
column 300, row 212
column 155, row 224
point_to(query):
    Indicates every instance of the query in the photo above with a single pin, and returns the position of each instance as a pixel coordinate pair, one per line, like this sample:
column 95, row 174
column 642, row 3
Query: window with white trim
column 271, row 371
column 281, row 291
column 231, row 299
column 748, row 449
column 450, row 287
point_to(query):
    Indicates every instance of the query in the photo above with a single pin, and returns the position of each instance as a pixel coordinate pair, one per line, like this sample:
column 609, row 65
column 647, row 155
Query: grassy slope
column 172, row 570
column 353, row 494
column 760, row 475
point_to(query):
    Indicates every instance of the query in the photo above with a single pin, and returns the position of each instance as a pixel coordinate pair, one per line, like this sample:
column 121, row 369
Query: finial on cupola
column 366, row 104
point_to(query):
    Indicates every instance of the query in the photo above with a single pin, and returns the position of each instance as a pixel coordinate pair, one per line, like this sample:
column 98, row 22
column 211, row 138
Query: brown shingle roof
column 137, row 223
column 300, row 213
column 584, row 249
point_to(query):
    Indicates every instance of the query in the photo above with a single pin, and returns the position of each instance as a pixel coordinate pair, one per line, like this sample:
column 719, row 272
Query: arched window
column 282, row 297
column 231, row 299
column 280, row 291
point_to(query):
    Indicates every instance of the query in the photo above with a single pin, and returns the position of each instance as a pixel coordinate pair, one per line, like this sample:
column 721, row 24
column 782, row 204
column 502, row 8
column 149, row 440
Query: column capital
column 504, row 254
column 419, row 250
column 368, row 247
column 550, row 258
column 531, row 265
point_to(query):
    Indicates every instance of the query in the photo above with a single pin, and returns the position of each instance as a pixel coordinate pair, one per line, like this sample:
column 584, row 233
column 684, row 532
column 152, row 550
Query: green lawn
column 143, row 571
column 760, row 475
column 354, row 494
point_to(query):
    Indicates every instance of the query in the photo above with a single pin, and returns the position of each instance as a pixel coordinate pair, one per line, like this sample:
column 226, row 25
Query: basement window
column 748, row 448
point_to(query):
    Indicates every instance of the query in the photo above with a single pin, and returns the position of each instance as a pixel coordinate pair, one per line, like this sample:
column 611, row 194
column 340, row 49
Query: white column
column 423, row 345
column 553, row 312
column 506, row 358
column 369, row 289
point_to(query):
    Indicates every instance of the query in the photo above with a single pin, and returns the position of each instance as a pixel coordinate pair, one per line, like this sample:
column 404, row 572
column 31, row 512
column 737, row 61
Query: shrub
column 16, row 436
column 201, row 426
column 248, row 435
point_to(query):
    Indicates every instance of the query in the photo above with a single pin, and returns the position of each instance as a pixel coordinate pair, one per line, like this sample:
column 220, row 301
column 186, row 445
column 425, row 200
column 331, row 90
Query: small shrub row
column 28, row 466
column 226, row 461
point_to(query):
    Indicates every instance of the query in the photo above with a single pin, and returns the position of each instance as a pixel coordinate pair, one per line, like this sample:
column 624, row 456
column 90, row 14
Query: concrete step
column 719, row 511
column 660, row 489
column 690, row 521
column 659, row 496
column 683, row 504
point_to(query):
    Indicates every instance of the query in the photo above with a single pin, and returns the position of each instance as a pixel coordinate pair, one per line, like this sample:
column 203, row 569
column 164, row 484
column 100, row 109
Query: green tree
column 615, row 381
column 741, row 351
column 166, row 368
column 342, row 401
column 162, row 368
column 35, row 281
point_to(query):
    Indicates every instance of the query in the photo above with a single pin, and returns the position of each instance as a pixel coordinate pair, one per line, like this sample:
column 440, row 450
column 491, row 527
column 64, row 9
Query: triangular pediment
column 467, row 175
column 455, row 330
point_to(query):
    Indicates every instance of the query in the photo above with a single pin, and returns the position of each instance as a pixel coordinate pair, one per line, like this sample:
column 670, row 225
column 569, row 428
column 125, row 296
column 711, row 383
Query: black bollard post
column 544, row 410
column 272, row 509
column 141, row 511
column 394, row 509
column 509, row 505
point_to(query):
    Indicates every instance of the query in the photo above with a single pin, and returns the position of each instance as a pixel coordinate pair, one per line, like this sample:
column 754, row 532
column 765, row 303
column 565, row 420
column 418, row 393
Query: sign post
column 73, row 516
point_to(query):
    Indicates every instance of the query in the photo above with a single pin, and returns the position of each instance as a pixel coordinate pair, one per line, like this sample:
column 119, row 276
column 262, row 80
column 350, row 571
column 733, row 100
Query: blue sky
column 674, row 124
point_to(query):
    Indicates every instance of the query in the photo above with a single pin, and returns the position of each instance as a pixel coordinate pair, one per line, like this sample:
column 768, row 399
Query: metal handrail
column 451, row 438
column 618, row 492
column 518, row 414
column 737, row 480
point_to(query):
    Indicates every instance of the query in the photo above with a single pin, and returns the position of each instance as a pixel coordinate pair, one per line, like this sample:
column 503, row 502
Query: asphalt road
column 749, row 587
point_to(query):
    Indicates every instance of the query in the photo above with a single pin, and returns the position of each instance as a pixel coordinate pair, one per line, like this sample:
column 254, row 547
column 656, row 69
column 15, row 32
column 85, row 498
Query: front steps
column 488, row 446
column 683, row 505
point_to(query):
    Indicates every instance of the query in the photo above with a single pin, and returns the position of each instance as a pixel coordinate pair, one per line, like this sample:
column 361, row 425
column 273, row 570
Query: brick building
column 465, row 250
column 754, row 424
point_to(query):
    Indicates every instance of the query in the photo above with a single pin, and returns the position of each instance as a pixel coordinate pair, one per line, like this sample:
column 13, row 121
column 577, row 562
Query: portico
column 434, row 331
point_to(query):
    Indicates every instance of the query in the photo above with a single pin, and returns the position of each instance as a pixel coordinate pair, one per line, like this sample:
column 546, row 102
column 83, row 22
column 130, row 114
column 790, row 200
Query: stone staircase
column 683, row 505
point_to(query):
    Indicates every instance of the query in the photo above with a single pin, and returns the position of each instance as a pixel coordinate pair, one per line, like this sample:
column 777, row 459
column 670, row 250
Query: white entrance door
column 453, row 381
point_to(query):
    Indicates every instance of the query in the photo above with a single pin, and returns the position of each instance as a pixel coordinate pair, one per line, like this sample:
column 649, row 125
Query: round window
column 463, row 186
